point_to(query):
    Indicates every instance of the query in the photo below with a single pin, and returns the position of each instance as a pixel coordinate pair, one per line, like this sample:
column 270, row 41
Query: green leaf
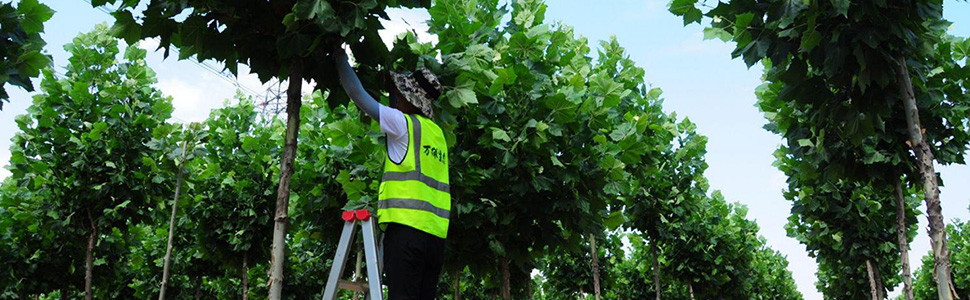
column 33, row 15
column 541, row 126
column 500, row 134
column 717, row 33
column 33, row 62
column 842, row 6
column 461, row 96
column 497, row 248
column 125, row 27
column 687, row 10
column 555, row 161
column 614, row 220
column 309, row 9
column 810, row 39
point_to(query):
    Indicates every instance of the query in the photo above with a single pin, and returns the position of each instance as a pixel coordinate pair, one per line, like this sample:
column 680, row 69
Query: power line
column 228, row 77
column 271, row 103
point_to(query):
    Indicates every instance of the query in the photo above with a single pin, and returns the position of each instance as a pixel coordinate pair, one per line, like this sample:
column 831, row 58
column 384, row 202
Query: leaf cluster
column 21, row 47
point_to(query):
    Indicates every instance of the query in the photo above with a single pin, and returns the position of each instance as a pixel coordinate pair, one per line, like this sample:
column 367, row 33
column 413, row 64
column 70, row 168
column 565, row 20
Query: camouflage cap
column 420, row 88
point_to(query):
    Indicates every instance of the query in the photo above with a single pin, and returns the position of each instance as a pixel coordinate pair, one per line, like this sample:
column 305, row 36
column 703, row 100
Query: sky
column 699, row 78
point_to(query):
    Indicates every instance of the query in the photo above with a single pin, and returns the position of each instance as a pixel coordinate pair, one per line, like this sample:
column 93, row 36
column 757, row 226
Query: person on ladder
column 414, row 201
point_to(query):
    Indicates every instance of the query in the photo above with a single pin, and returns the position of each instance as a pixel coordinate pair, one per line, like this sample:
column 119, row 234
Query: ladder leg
column 380, row 248
column 373, row 268
column 339, row 260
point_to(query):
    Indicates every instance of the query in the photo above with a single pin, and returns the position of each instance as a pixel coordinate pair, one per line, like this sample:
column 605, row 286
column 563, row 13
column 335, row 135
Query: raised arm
column 351, row 84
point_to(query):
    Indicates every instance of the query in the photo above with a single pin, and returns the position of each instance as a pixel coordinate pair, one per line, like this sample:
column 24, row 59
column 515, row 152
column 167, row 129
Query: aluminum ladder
column 372, row 288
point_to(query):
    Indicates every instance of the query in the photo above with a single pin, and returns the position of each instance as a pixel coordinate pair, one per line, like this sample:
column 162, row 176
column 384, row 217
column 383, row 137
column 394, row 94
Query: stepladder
column 371, row 289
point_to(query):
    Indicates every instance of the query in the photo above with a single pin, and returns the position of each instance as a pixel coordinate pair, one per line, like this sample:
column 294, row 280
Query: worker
column 414, row 200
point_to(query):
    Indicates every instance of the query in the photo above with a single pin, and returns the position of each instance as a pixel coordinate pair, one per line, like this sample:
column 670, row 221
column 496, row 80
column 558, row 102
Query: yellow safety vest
column 416, row 192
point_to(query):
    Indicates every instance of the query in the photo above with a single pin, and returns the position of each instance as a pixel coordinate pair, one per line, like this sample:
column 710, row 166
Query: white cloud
column 403, row 20
column 149, row 44
column 186, row 97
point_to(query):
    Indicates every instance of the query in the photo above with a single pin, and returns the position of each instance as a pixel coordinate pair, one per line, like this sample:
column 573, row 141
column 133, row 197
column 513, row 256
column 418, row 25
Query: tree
column 542, row 102
column 771, row 278
column 959, row 244
column 86, row 154
column 671, row 187
column 235, row 188
column 861, row 67
column 570, row 275
column 284, row 39
column 190, row 137
column 21, row 56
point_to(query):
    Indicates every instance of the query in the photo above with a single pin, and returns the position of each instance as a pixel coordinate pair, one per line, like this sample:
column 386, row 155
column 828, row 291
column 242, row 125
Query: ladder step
column 352, row 286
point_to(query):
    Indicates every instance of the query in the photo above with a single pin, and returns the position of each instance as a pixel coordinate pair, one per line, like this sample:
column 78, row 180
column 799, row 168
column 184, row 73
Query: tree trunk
column 89, row 259
column 198, row 287
column 245, row 276
column 880, row 286
column 656, row 268
column 873, row 288
column 171, row 224
column 293, row 103
column 457, row 285
column 357, row 268
column 596, row 266
column 690, row 289
column 528, row 289
column 506, row 286
column 64, row 292
column 931, row 189
column 903, row 239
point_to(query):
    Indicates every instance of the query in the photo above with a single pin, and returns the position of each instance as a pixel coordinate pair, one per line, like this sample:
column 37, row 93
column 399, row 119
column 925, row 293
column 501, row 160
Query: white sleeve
column 393, row 122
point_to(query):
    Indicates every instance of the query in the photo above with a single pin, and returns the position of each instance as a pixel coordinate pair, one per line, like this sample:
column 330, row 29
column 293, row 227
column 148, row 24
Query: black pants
column 412, row 263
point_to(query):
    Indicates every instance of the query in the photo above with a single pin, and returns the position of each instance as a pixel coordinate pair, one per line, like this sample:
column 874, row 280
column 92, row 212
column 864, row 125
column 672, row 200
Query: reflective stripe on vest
column 418, row 194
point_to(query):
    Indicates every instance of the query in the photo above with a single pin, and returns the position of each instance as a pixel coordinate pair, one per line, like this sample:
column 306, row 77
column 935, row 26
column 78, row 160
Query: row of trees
column 552, row 152
column 868, row 96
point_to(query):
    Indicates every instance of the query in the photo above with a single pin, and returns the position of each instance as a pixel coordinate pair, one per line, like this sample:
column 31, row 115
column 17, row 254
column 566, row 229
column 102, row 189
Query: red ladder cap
column 347, row 215
column 362, row 214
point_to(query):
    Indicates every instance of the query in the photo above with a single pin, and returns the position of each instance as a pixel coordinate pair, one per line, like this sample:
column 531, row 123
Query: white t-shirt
column 395, row 125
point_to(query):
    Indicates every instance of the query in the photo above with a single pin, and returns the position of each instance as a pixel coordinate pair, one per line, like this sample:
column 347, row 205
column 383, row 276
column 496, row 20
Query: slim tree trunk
column 457, row 285
column 902, row 238
column 506, row 286
column 89, row 259
column 596, row 266
column 171, row 224
column 690, row 289
column 198, row 287
column 528, row 289
column 656, row 268
column 873, row 288
column 880, row 286
column 357, row 268
column 293, row 103
column 245, row 276
column 931, row 189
